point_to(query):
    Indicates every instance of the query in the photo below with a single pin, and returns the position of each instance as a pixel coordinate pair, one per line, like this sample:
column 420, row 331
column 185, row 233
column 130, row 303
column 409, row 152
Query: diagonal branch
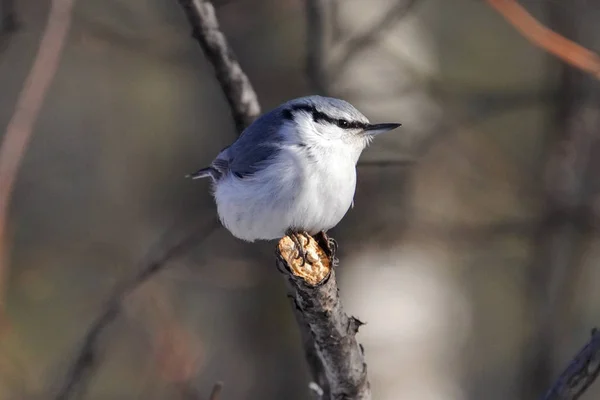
column 86, row 359
column 236, row 86
column 563, row 48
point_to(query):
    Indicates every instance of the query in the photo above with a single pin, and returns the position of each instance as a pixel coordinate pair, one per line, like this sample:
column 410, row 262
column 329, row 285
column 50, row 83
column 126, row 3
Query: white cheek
column 316, row 131
column 330, row 131
column 331, row 139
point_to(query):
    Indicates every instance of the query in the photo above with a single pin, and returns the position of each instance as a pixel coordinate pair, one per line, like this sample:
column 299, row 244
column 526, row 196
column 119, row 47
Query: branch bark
column 335, row 358
column 236, row 86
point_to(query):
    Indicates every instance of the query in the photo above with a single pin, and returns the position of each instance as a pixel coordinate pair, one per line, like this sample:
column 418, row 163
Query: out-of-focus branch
column 559, row 243
column 236, row 86
column 355, row 45
column 315, row 45
column 29, row 103
column 335, row 358
column 563, row 48
column 86, row 359
column 581, row 372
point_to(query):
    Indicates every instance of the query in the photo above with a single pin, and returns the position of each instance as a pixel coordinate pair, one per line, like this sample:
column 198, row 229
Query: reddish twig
column 563, row 48
column 29, row 103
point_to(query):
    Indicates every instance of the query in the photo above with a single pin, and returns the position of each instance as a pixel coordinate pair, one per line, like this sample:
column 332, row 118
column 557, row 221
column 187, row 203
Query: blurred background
column 471, row 253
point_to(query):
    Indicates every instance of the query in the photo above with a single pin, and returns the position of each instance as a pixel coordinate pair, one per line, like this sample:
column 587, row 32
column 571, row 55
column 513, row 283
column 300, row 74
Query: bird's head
column 326, row 122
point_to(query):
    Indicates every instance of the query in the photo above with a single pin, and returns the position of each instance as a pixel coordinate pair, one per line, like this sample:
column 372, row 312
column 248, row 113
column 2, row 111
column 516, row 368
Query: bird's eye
column 343, row 124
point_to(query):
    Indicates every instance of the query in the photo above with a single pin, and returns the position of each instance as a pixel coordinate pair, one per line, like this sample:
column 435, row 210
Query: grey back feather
column 260, row 142
column 256, row 145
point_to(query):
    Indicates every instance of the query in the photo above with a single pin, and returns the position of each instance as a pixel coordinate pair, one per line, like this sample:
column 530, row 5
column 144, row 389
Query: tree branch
column 236, row 86
column 339, row 360
column 563, row 48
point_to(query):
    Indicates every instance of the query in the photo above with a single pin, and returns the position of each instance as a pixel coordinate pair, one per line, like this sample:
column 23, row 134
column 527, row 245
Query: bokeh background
column 471, row 253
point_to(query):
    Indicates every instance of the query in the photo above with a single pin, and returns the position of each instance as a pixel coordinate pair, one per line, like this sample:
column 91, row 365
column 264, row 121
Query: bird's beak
column 376, row 129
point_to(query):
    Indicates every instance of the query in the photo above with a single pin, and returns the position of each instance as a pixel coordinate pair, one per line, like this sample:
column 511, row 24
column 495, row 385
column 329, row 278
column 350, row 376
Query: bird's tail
column 208, row 172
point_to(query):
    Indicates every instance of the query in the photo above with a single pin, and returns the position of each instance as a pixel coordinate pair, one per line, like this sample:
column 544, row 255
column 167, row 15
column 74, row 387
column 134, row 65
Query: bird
column 292, row 171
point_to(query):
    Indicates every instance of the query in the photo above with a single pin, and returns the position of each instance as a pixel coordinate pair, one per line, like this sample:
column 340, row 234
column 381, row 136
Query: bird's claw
column 332, row 246
column 300, row 252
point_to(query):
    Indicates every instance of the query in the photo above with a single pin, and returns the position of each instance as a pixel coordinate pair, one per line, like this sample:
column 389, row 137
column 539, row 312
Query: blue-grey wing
column 257, row 145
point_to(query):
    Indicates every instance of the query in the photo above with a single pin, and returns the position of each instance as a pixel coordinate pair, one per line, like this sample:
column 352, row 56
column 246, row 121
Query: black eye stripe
column 319, row 116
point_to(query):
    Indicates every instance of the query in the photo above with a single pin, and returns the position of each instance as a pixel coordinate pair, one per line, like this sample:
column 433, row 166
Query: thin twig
column 563, row 48
column 581, row 372
column 87, row 355
column 20, row 127
column 236, row 86
column 335, row 358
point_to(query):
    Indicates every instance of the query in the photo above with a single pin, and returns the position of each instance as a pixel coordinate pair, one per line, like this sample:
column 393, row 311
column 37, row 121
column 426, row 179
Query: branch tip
column 317, row 267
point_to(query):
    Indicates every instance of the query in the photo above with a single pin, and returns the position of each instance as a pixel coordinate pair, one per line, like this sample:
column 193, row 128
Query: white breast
column 296, row 191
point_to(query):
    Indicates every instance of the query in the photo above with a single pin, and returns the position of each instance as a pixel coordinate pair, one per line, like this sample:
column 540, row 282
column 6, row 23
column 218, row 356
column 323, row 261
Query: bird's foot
column 300, row 252
column 332, row 246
